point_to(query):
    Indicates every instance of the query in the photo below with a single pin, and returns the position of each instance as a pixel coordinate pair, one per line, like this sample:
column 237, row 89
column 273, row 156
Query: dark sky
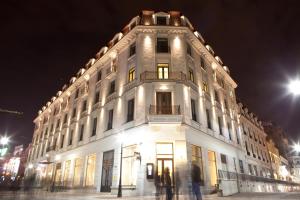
column 44, row 43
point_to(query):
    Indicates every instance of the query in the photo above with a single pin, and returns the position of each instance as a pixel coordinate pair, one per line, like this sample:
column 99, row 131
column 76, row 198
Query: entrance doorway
column 212, row 167
column 162, row 165
column 107, row 170
column 163, row 103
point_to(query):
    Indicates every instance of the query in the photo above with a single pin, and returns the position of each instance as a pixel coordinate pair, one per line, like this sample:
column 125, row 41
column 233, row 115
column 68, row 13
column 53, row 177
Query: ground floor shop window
column 129, row 165
column 77, row 171
column 212, row 167
column 67, row 171
column 197, row 160
column 90, row 170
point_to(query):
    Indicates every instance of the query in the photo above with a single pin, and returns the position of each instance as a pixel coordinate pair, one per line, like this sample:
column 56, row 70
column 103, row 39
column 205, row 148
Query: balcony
column 128, row 86
column 165, row 114
column 111, row 97
column 149, row 76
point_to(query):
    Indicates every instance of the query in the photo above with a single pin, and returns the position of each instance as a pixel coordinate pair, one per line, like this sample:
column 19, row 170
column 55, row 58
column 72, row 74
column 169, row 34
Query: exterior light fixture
column 296, row 147
column 294, row 87
column 4, row 140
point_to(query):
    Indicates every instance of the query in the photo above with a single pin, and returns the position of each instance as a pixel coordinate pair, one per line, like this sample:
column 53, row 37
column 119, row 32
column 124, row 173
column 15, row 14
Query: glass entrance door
column 107, row 170
column 163, row 103
column 162, row 165
column 212, row 166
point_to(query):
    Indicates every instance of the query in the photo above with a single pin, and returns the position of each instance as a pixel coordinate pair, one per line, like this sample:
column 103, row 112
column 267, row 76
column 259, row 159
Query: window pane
column 90, row 170
column 77, row 171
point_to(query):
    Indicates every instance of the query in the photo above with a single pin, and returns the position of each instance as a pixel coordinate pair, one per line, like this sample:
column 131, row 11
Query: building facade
column 156, row 97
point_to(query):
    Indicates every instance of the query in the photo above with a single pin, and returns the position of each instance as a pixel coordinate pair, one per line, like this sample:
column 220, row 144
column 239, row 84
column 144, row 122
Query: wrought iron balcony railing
column 164, row 110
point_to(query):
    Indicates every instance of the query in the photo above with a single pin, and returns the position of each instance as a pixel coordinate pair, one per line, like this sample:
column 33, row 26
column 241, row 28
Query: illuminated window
column 131, row 74
column 197, row 160
column 129, row 165
column 67, row 171
column 162, row 45
column 204, row 87
column 191, row 75
column 163, row 71
column 77, row 171
column 164, row 149
column 90, row 170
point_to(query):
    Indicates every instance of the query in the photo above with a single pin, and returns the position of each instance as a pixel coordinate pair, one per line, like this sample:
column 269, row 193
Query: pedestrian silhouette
column 158, row 184
column 168, row 184
column 196, row 180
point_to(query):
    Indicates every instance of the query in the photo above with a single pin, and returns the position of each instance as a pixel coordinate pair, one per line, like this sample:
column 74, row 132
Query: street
column 40, row 195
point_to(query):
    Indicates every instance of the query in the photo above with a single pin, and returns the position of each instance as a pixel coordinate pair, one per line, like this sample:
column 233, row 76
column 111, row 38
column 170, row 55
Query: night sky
column 44, row 43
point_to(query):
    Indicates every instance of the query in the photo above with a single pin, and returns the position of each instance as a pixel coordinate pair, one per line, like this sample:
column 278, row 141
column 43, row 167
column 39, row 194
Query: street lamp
column 294, row 87
column 121, row 139
column 297, row 147
column 4, row 140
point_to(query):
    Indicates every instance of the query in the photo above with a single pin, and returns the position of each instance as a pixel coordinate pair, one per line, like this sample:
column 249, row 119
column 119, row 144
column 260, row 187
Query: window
column 51, row 129
column 84, row 106
column 225, row 104
column 229, row 131
column 204, row 87
column 220, row 125
column 90, row 170
column 198, row 161
column 202, row 63
column 161, row 20
column 241, row 167
column 74, row 112
column 188, row 49
column 129, row 165
column 208, row 119
column 237, row 136
column 81, row 132
column 163, row 71
column 131, row 74
column 99, row 75
column 191, row 75
column 193, row 108
column 67, row 171
column 62, row 141
column 71, row 137
column 96, row 99
column 217, row 97
column 250, row 169
column 77, row 171
column 94, row 130
column 65, row 118
column 130, row 110
column 76, row 93
column 162, row 45
column 224, row 162
column 112, row 87
column 255, row 170
column 57, row 124
column 132, row 50
column 110, row 119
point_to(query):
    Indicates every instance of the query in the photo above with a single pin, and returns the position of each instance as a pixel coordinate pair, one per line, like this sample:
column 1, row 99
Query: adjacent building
column 156, row 97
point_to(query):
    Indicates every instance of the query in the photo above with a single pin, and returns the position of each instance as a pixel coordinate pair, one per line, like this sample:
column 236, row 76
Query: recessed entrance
column 107, row 170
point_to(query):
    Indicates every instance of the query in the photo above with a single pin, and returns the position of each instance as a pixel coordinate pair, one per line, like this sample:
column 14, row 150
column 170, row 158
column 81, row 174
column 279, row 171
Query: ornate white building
column 157, row 96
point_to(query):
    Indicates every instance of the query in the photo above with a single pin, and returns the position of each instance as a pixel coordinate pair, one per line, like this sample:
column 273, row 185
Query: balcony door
column 163, row 71
column 163, row 103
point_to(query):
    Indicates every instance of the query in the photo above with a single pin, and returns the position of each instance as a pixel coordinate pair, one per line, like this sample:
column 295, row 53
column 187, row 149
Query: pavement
column 42, row 195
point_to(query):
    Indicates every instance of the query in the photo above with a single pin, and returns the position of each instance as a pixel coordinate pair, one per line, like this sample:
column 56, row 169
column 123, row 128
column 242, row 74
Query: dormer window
column 161, row 20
